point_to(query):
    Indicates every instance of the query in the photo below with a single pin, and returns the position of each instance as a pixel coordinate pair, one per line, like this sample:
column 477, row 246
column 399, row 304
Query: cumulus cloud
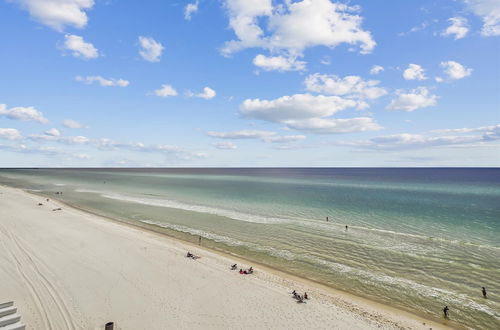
column 190, row 9
column 349, row 86
column 23, row 114
column 225, row 145
column 58, row 13
column 414, row 72
column 278, row 63
column 265, row 136
column 376, row 69
column 10, row 134
column 412, row 100
column 458, row 28
column 151, row 50
column 69, row 123
column 79, row 48
column 165, row 91
column 103, row 81
column 53, row 132
column 489, row 11
column 333, row 126
column 298, row 106
column 455, row 70
column 437, row 138
column 309, row 113
column 207, row 94
column 294, row 26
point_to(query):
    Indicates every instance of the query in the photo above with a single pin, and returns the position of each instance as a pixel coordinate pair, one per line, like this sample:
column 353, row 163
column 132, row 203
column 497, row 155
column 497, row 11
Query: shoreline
column 367, row 308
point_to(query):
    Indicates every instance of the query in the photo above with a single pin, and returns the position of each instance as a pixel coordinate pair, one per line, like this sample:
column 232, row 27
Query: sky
column 249, row 83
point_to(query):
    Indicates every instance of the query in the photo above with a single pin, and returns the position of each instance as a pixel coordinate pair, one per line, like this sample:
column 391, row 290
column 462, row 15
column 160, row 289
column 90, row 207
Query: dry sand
column 69, row 269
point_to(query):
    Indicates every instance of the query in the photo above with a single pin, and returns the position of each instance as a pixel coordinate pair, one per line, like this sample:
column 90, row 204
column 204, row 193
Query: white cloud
column 103, row 81
column 437, row 138
column 278, row 63
column 207, row 93
column 47, row 136
column 414, row 72
column 458, row 28
column 349, row 86
column 165, row 91
column 23, row 113
column 53, row 132
column 58, row 13
column 413, row 100
column 376, row 69
column 225, row 145
column 190, row 9
column 265, row 136
column 489, row 11
column 151, row 50
column 294, row 26
column 69, row 123
column 305, row 112
column 10, row 134
column 417, row 28
column 79, row 48
column 298, row 106
column 333, row 126
column 455, row 70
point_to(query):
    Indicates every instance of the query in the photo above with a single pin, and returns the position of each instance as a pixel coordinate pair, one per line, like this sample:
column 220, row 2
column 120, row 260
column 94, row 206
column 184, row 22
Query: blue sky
column 249, row 83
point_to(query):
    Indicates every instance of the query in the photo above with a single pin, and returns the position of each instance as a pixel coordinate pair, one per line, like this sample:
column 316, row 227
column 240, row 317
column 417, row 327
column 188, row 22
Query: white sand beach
column 69, row 269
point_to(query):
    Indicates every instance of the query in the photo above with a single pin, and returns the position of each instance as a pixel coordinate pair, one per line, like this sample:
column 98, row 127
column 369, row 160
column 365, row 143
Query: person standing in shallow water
column 199, row 240
column 445, row 312
column 484, row 292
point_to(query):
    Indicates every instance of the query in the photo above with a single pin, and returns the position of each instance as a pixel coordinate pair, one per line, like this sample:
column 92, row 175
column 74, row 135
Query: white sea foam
column 189, row 207
column 224, row 239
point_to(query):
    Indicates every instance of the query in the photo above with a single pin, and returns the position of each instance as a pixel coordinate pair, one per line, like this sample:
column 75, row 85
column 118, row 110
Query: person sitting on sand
column 189, row 255
column 245, row 272
column 294, row 292
column 305, row 295
column 241, row 271
column 233, row 267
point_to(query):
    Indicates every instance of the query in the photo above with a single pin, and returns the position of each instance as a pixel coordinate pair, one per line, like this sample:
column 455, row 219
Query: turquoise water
column 417, row 238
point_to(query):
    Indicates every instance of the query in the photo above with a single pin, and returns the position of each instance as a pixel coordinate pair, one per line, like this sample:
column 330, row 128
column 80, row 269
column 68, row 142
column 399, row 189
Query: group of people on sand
column 192, row 256
column 446, row 310
column 242, row 271
column 300, row 299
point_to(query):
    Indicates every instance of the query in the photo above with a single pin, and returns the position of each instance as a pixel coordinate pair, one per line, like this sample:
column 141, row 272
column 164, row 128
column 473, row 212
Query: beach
column 68, row 269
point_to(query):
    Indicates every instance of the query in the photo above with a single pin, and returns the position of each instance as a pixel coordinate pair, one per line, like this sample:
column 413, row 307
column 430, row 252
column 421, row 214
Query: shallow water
column 417, row 238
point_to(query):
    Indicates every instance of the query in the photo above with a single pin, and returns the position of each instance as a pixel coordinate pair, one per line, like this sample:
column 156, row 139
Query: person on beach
column 445, row 312
column 241, row 271
column 305, row 295
column 346, row 228
column 484, row 292
column 199, row 240
column 326, row 219
column 233, row 267
column 294, row 292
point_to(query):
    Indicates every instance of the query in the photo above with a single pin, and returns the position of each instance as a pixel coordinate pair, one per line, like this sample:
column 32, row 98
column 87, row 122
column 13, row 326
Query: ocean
column 414, row 238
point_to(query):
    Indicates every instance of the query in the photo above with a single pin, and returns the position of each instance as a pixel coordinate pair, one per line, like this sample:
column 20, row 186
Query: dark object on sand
column 484, row 292
column 109, row 326
column 233, row 267
column 445, row 311
column 58, row 209
column 346, row 228
column 40, row 204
